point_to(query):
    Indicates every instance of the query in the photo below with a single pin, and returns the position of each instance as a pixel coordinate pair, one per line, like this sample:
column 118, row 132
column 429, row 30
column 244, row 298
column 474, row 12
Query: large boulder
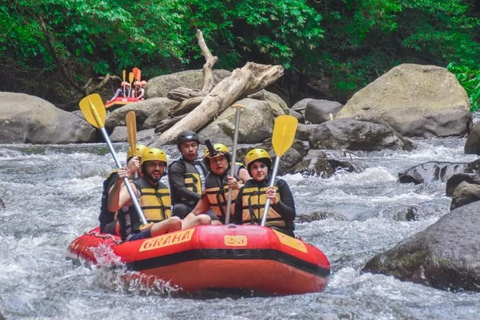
column 464, row 194
column 416, row 100
column 446, row 255
column 256, row 122
column 29, row 119
column 148, row 113
column 192, row 79
column 472, row 145
column 319, row 111
column 355, row 135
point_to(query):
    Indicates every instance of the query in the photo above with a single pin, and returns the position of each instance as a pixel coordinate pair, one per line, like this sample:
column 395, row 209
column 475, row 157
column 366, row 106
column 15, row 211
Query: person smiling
column 218, row 182
column 250, row 202
column 154, row 200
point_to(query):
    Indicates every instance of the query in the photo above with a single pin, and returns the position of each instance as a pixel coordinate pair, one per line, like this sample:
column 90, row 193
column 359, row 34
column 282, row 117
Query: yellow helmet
column 138, row 151
column 257, row 154
column 151, row 154
column 221, row 150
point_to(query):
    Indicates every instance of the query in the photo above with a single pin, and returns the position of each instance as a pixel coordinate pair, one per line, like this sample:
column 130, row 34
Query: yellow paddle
column 124, row 72
column 131, row 122
column 130, row 79
column 283, row 135
column 239, row 108
column 94, row 112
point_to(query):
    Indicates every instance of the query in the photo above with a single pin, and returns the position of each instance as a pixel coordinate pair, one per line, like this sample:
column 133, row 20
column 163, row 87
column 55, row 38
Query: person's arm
column 118, row 196
column 285, row 207
column 176, row 179
column 244, row 175
column 202, row 206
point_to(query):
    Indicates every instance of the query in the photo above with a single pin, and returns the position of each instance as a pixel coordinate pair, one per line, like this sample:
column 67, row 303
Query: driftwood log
column 165, row 124
column 185, row 106
column 249, row 79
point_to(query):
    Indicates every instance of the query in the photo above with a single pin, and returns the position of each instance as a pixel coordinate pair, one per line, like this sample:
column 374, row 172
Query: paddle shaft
column 232, row 165
column 127, row 183
column 276, row 164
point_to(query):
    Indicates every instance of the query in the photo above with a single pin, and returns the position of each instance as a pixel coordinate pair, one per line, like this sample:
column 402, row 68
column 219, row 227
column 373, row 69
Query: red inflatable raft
column 120, row 101
column 246, row 257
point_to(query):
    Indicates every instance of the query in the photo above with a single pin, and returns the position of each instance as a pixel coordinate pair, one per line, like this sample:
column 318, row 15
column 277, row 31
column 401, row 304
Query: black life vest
column 106, row 216
column 192, row 180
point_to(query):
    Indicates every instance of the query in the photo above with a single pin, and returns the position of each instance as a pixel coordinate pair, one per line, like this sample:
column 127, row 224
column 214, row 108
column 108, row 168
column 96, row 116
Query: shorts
column 139, row 235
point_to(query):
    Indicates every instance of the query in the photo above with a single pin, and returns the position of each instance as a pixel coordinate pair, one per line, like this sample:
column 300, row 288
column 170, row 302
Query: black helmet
column 187, row 136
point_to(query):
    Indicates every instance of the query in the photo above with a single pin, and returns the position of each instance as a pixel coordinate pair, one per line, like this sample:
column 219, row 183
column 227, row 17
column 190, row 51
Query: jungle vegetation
column 329, row 48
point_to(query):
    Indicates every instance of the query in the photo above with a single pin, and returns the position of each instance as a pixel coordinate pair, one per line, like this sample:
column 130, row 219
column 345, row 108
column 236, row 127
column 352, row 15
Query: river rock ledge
column 445, row 256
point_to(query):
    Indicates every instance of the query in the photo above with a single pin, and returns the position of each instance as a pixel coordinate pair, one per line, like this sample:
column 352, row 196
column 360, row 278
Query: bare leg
column 170, row 225
column 191, row 220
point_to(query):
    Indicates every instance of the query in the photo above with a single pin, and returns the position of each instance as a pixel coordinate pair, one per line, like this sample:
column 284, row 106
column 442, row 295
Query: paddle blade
column 130, row 77
column 284, row 133
column 137, row 73
column 124, row 73
column 130, row 120
column 93, row 110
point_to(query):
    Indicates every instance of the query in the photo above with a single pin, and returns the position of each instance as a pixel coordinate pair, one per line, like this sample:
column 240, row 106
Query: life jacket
column 216, row 188
column 253, row 204
column 155, row 203
column 106, row 216
column 192, row 179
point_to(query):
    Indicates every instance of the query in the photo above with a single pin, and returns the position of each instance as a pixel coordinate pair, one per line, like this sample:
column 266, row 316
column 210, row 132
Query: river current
column 52, row 194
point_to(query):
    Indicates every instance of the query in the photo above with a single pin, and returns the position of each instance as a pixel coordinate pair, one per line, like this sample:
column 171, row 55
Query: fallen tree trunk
column 247, row 80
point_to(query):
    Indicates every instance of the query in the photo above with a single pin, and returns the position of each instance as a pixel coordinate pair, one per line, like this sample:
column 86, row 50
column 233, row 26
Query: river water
column 52, row 195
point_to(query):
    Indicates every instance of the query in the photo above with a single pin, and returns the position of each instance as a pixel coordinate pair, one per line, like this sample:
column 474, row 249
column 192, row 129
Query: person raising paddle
column 154, row 200
column 251, row 200
column 107, row 219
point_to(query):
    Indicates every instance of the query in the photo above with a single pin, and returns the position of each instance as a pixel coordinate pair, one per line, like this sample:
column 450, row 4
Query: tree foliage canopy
column 346, row 43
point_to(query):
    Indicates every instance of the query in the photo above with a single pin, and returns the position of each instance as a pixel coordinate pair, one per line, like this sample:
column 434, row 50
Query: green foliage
column 470, row 81
column 279, row 32
column 348, row 43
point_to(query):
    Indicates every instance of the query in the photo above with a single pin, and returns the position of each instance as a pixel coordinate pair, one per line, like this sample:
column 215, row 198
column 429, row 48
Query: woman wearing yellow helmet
column 250, row 203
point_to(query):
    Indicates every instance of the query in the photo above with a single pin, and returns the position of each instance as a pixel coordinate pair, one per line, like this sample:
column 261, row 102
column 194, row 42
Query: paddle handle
column 127, row 183
column 272, row 183
column 234, row 159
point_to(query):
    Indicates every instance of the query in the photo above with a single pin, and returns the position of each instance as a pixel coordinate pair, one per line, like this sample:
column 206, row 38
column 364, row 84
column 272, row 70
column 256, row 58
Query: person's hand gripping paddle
column 94, row 112
column 283, row 135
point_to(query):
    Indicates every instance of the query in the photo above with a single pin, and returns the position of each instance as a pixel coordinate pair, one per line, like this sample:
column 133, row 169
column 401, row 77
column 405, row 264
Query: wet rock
column 354, row 135
column 444, row 256
column 472, row 145
column 304, row 131
column 319, row 215
column 431, row 171
column 319, row 111
column 456, row 179
column 464, row 194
